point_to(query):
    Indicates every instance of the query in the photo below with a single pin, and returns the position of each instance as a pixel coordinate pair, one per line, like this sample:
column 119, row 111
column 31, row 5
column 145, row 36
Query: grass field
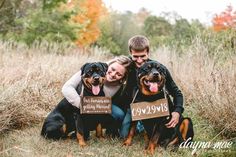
column 31, row 81
column 28, row 142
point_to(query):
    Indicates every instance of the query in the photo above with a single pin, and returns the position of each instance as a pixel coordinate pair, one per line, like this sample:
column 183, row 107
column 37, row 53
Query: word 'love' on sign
column 95, row 105
column 147, row 110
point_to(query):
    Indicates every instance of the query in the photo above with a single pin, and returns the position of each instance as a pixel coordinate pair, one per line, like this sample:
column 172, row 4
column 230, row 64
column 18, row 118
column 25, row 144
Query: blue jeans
column 117, row 113
column 125, row 126
column 125, row 119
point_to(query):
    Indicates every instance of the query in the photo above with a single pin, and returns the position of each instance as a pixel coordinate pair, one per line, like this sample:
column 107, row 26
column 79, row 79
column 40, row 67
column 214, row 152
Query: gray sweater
column 69, row 89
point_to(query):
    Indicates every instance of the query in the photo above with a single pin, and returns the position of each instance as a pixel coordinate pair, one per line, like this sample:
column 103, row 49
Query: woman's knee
column 117, row 113
column 126, row 125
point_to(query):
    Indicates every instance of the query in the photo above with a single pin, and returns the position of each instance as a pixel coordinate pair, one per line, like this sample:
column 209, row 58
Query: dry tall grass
column 209, row 85
column 31, row 82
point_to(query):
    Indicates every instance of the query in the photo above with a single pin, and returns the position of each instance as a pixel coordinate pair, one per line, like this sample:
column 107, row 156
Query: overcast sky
column 188, row 9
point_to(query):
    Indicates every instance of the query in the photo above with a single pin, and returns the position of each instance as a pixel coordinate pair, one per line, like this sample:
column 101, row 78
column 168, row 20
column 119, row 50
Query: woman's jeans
column 125, row 120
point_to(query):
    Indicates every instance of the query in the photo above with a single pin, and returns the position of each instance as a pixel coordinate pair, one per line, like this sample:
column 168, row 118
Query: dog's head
column 93, row 76
column 151, row 78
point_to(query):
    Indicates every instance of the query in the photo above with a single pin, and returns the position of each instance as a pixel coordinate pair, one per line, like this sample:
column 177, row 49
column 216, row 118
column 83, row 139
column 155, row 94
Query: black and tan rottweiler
column 151, row 87
column 66, row 119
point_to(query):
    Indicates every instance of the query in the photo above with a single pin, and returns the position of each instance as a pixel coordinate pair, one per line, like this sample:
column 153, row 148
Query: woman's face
column 115, row 72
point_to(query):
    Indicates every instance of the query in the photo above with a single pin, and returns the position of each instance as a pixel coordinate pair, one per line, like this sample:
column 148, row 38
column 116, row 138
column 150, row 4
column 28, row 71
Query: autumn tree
column 225, row 20
column 89, row 14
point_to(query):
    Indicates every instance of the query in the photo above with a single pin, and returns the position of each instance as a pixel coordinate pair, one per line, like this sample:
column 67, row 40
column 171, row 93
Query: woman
column 116, row 77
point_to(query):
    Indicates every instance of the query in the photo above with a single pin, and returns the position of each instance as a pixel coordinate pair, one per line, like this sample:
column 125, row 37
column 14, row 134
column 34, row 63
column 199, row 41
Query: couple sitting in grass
column 120, row 83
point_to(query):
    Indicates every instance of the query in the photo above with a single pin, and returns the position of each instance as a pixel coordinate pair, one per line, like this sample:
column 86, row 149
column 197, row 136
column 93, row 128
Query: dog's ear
column 83, row 68
column 140, row 71
column 163, row 70
column 104, row 66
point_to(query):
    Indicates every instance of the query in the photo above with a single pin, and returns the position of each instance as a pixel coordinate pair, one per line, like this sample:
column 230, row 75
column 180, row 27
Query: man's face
column 139, row 57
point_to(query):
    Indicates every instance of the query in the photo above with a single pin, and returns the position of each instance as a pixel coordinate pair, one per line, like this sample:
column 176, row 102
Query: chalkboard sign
column 95, row 105
column 147, row 110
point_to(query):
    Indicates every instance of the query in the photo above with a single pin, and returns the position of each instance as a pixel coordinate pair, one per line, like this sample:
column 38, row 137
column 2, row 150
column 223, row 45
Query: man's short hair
column 138, row 43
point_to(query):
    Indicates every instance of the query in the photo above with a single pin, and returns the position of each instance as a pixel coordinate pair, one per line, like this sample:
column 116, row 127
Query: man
column 139, row 52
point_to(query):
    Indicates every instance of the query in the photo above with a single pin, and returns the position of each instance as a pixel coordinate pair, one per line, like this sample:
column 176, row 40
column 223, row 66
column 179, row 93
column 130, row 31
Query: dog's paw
column 127, row 143
column 150, row 149
column 101, row 138
column 82, row 144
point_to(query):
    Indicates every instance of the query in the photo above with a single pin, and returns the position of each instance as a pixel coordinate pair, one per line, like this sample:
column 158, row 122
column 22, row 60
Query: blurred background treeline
column 204, row 54
column 44, row 42
column 88, row 23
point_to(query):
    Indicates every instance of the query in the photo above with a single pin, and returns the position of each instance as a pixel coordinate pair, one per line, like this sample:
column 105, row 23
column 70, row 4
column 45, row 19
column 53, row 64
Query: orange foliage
column 90, row 12
column 225, row 20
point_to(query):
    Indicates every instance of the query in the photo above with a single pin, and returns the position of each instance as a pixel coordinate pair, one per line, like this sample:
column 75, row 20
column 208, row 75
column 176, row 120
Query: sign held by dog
column 95, row 105
column 147, row 110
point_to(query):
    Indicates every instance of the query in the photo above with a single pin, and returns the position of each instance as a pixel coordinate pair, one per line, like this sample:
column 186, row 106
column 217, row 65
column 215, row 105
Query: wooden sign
column 95, row 105
column 147, row 110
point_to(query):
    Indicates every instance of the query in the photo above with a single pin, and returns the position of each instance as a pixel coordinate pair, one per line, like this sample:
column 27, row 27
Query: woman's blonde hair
column 125, row 62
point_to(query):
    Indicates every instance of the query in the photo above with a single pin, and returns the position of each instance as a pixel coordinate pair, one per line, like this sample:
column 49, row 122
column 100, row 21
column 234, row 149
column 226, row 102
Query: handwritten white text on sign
column 95, row 105
column 147, row 110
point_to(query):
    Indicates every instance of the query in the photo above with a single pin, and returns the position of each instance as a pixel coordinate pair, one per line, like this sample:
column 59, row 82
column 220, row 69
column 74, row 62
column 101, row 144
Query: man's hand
column 174, row 120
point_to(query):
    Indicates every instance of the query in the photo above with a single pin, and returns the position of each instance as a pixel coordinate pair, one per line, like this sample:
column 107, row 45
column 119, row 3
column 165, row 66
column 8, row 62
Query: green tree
column 158, row 30
column 182, row 30
column 183, row 34
column 51, row 4
column 157, row 26
column 106, row 39
column 8, row 12
column 116, row 30
column 45, row 22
